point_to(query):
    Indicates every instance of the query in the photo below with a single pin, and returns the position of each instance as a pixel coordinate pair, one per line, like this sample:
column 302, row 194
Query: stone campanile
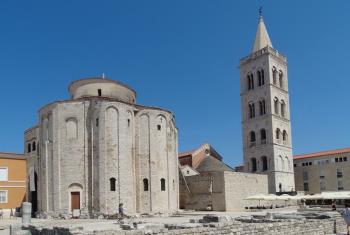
column 266, row 127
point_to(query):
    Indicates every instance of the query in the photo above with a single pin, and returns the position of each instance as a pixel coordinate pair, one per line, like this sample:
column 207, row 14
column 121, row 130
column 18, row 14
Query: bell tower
column 266, row 127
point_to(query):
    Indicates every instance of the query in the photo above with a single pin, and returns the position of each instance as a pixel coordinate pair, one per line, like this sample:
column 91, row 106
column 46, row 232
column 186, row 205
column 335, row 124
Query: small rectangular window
column 99, row 92
column 305, row 176
column 159, row 127
column 3, row 196
column 339, row 173
column 145, row 184
column 345, row 159
column 29, row 148
column 3, row 174
column 321, row 172
column 306, row 187
column 128, row 122
column 97, row 122
column 340, row 185
column 336, row 159
column 162, row 184
column 295, row 165
column 340, row 159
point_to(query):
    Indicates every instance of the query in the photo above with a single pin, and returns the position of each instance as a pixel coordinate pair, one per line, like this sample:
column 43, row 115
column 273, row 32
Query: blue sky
column 181, row 55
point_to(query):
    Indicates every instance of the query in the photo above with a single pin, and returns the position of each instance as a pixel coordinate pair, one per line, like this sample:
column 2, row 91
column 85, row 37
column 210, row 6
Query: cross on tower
column 260, row 11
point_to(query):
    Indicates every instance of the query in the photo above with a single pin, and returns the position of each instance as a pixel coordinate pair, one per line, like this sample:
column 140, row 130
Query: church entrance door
column 75, row 200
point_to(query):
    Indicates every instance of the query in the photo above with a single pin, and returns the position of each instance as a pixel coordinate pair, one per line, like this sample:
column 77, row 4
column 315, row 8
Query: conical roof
column 262, row 38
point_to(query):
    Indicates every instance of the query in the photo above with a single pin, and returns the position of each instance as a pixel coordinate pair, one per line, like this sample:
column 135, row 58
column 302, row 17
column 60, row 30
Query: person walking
column 346, row 216
column 334, row 206
column 12, row 214
column 121, row 210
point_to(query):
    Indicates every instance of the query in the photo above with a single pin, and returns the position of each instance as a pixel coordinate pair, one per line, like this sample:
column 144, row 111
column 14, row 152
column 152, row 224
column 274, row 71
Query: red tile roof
column 184, row 154
column 12, row 156
column 199, row 154
column 323, row 153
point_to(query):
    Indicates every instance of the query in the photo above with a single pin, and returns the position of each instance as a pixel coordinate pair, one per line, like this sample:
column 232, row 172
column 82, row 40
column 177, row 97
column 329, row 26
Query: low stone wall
column 229, row 191
column 293, row 227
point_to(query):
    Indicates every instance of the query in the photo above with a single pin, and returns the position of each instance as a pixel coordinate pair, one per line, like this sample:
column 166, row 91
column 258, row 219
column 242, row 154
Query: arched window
column 252, row 136
column 33, row 146
column 264, row 163
column 251, row 110
column 71, row 128
column 278, row 133
column 112, row 184
column 162, row 184
column 145, row 184
column 250, row 80
column 284, row 135
column 275, row 101
column 274, row 75
column 29, row 147
column 261, row 77
column 262, row 107
column 253, row 161
column 280, row 77
column 263, row 136
column 288, row 165
column 282, row 163
column 283, row 108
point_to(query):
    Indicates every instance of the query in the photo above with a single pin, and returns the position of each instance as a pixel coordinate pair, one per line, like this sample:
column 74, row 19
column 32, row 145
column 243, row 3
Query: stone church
column 266, row 127
column 99, row 149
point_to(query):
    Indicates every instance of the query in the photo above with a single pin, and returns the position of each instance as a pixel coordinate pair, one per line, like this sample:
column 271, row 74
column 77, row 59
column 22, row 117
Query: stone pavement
column 226, row 224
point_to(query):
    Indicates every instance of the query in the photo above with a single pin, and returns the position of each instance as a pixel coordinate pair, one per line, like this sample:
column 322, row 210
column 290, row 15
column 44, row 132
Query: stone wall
column 291, row 227
column 239, row 186
column 229, row 189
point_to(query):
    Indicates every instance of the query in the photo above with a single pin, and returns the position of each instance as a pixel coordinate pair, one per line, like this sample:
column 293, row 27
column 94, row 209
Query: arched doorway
column 75, row 195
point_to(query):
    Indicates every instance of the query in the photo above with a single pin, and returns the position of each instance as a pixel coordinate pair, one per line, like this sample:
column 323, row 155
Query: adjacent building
column 12, row 180
column 205, row 158
column 323, row 171
column 99, row 149
column 207, row 183
column 266, row 126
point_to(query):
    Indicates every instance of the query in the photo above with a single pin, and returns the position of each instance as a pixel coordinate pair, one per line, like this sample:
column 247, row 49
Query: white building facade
column 100, row 149
column 266, row 127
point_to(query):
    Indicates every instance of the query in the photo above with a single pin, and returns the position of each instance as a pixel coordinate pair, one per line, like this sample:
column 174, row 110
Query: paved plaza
column 149, row 223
